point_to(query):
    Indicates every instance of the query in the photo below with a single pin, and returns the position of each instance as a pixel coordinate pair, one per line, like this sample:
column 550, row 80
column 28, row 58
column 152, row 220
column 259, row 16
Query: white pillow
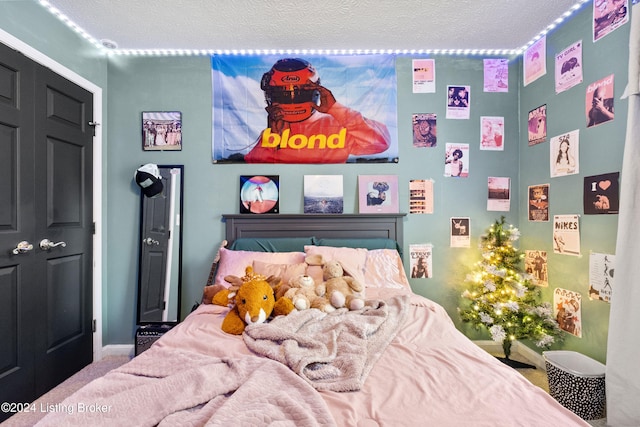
column 384, row 269
column 352, row 259
column 234, row 263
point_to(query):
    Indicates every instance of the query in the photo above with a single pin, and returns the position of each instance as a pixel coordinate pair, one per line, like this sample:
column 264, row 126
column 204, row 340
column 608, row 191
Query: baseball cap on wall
column 149, row 179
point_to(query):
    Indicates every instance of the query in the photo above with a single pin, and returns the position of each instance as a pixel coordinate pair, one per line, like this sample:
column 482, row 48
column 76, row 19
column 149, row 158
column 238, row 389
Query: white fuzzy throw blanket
column 180, row 388
column 334, row 351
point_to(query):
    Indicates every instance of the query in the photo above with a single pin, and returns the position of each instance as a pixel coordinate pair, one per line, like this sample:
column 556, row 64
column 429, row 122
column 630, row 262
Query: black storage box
column 577, row 382
column 146, row 335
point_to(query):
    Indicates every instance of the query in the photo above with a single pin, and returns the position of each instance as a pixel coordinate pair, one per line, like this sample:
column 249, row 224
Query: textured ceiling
column 302, row 24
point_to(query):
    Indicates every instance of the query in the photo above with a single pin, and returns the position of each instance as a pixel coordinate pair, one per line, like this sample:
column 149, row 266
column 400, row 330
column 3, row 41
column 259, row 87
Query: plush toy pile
column 327, row 293
column 254, row 298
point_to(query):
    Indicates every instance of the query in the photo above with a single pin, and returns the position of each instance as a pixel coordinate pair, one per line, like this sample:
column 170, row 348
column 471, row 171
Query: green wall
column 135, row 84
column 601, row 150
column 35, row 26
column 184, row 84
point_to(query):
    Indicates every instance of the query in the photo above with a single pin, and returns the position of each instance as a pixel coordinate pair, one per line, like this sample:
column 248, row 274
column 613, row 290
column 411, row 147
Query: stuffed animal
column 209, row 292
column 226, row 296
column 340, row 290
column 303, row 294
column 254, row 302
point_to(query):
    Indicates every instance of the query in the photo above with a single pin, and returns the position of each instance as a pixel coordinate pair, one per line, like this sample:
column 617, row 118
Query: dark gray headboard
column 354, row 226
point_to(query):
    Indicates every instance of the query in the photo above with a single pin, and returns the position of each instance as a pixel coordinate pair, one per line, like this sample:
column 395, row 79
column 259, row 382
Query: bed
column 407, row 366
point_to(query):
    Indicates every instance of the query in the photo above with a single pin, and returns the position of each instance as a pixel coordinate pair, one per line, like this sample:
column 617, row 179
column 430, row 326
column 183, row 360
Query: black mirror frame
column 180, row 238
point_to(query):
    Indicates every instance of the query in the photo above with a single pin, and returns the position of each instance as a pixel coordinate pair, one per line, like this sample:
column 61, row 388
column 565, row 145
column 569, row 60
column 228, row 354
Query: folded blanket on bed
column 334, row 351
column 185, row 388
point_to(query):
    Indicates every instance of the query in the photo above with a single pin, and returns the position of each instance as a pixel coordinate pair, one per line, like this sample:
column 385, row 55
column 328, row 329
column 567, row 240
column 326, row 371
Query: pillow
column 352, row 259
column 366, row 243
column 285, row 271
column 384, row 269
column 271, row 244
column 235, row 262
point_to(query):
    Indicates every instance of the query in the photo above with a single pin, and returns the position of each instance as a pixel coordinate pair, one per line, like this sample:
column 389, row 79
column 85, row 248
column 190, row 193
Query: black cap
column 148, row 178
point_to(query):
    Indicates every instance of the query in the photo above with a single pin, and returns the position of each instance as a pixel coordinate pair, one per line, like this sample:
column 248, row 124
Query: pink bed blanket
column 429, row 375
column 334, row 351
column 189, row 389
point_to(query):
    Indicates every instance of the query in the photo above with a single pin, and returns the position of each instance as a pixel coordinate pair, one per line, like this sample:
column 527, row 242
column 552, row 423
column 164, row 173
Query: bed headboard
column 328, row 226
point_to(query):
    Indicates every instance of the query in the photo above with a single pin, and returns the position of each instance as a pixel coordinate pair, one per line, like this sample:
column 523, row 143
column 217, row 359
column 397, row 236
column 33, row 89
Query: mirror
column 160, row 263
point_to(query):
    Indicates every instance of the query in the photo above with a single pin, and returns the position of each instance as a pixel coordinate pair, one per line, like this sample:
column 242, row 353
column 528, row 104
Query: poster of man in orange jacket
column 305, row 121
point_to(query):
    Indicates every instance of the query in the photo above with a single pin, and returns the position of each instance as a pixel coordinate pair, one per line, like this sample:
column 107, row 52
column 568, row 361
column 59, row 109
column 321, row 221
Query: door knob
column 149, row 241
column 22, row 247
column 46, row 244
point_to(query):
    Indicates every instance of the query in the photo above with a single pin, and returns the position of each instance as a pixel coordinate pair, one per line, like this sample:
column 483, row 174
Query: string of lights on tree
column 501, row 298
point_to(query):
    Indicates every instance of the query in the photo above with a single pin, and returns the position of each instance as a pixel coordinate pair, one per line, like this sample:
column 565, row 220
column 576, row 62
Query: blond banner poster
column 318, row 109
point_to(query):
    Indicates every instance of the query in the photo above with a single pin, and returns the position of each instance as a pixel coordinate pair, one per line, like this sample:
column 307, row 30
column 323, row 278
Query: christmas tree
column 502, row 298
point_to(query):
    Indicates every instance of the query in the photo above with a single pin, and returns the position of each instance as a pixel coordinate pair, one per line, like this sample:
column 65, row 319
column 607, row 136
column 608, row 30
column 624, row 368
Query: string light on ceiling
column 110, row 47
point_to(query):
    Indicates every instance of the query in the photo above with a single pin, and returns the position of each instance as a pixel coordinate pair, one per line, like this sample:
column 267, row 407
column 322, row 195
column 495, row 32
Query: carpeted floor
column 66, row 388
column 98, row 369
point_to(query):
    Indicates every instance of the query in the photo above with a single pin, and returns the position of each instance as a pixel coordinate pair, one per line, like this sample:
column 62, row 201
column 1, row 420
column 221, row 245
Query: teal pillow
column 271, row 244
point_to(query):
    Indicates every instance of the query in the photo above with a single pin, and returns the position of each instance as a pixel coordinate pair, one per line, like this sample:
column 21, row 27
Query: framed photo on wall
column 378, row 193
column 161, row 130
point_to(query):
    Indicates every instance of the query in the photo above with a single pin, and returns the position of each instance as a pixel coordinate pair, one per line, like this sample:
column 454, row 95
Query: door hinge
column 93, row 228
column 93, row 325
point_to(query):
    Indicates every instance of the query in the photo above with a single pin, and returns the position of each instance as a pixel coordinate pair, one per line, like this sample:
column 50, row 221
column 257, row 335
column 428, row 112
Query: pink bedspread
column 176, row 387
column 430, row 375
column 334, row 351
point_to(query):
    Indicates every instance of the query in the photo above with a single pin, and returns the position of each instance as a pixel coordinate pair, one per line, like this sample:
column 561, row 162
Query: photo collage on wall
column 601, row 191
column 325, row 194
